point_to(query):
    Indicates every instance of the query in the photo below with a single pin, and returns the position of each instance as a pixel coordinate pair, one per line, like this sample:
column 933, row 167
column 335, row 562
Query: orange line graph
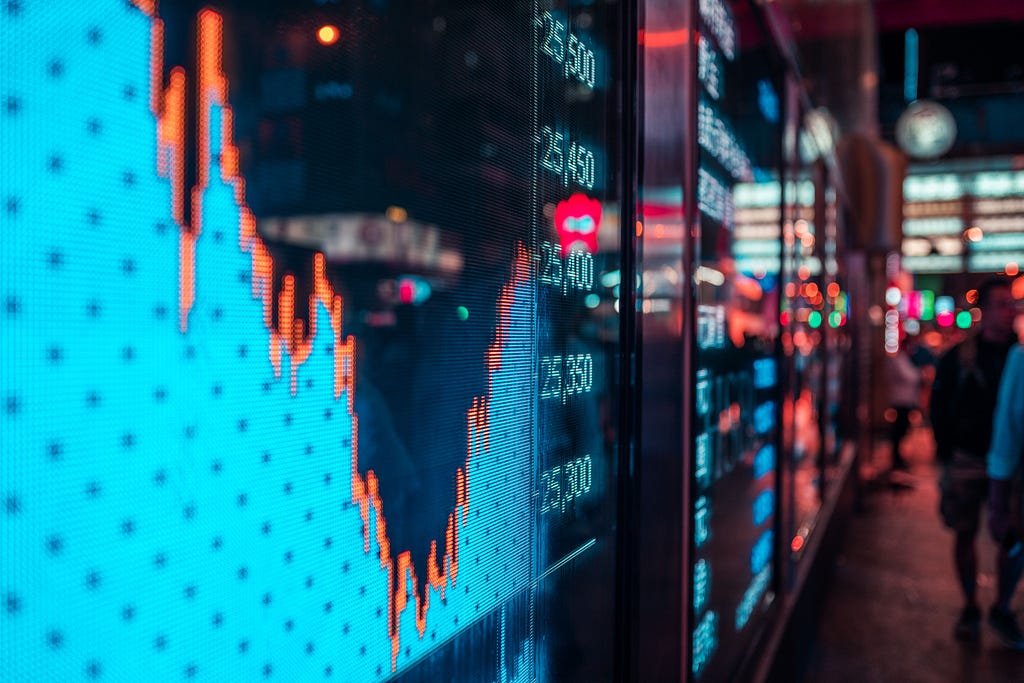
column 294, row 336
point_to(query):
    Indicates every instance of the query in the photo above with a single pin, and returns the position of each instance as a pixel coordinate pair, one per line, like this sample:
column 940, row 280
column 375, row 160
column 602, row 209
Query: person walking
column 904, row 393
column 963, row 403
column 1004, row 501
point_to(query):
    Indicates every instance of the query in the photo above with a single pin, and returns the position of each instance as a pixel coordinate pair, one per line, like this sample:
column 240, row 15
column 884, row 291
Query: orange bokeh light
column 328, row 35
column 1018, row 288
column 833, row 290
column 1012, row 269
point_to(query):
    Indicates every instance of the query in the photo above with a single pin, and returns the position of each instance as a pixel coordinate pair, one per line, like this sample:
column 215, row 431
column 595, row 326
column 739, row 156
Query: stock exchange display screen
column 737, row 327
column 306, row 361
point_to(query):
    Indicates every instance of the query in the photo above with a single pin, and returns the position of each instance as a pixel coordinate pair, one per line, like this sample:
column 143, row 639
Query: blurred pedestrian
column 962, row 407
column 925, row 360
column 920, row 354
column 1004, row 502
column 904, row 378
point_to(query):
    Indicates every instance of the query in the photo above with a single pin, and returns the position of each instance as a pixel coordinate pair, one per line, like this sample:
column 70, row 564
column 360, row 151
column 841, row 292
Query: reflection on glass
column 308, row 359
column 660, row 513
column 737, row 327
column 805, row 295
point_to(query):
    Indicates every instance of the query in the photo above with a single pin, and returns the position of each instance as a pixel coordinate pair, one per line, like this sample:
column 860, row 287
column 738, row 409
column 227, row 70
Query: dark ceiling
column 969, row 59
column 852, row 54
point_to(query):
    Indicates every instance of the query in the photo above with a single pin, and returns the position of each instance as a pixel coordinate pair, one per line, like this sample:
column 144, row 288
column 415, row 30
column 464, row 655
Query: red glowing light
column 915, row 305
column 406, row 291
column 674, row 38
column 576, row 220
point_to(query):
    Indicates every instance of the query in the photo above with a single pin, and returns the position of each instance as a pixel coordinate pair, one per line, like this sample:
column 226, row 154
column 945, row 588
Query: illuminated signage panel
column 737, row 326
column 307, row 370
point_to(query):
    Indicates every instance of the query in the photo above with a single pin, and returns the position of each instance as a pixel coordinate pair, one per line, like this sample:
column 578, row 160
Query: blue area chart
column 180, row 482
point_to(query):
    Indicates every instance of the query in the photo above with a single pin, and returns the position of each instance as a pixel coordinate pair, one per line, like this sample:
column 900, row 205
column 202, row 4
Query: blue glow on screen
column 764, row 417
column 764, row 461
column 701, row 585
column 764, row 373
column 702, row 456
column 761, row 554
column 701, row 522
column 764, row 506
column 705, row 642
column 767, row 100
column 174, row 509
column 755, row 591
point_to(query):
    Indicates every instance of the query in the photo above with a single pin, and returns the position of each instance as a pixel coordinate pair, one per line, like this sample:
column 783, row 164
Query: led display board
column 736, row 384
column 233, row 453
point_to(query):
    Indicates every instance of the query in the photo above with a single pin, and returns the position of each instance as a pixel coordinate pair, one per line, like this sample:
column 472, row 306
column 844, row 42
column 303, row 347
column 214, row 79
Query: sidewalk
column 893, row 598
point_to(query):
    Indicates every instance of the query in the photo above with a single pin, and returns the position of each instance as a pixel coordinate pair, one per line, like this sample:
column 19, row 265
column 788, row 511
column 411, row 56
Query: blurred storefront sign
column 350, row 238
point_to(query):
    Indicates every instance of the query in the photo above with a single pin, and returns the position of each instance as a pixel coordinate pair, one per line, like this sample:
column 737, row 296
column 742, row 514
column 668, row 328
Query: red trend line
column 294, row 336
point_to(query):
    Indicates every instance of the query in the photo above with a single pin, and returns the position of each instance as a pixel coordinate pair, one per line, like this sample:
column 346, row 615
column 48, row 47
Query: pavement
column 893, row 598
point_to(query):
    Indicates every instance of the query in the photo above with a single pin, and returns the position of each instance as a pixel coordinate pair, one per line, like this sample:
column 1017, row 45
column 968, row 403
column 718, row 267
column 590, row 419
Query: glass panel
column 836, row 314
column 308, row 346
column 806, row 324
column 736, row 402
column 659, row 507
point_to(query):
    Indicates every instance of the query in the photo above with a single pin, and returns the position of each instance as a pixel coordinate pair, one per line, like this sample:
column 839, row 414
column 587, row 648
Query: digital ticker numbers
column 562, row 484
column 565, row 376
column 570, row 160
column 565, row 48
column 567, row 168
column 573, row 272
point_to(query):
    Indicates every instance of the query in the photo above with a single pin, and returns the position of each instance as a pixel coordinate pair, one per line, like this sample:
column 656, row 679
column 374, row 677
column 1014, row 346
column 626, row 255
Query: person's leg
column 960, row 508
column 899, row 431
column 1010, row 564
column 966, row 561
column 968, row 624
column 894, row 436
